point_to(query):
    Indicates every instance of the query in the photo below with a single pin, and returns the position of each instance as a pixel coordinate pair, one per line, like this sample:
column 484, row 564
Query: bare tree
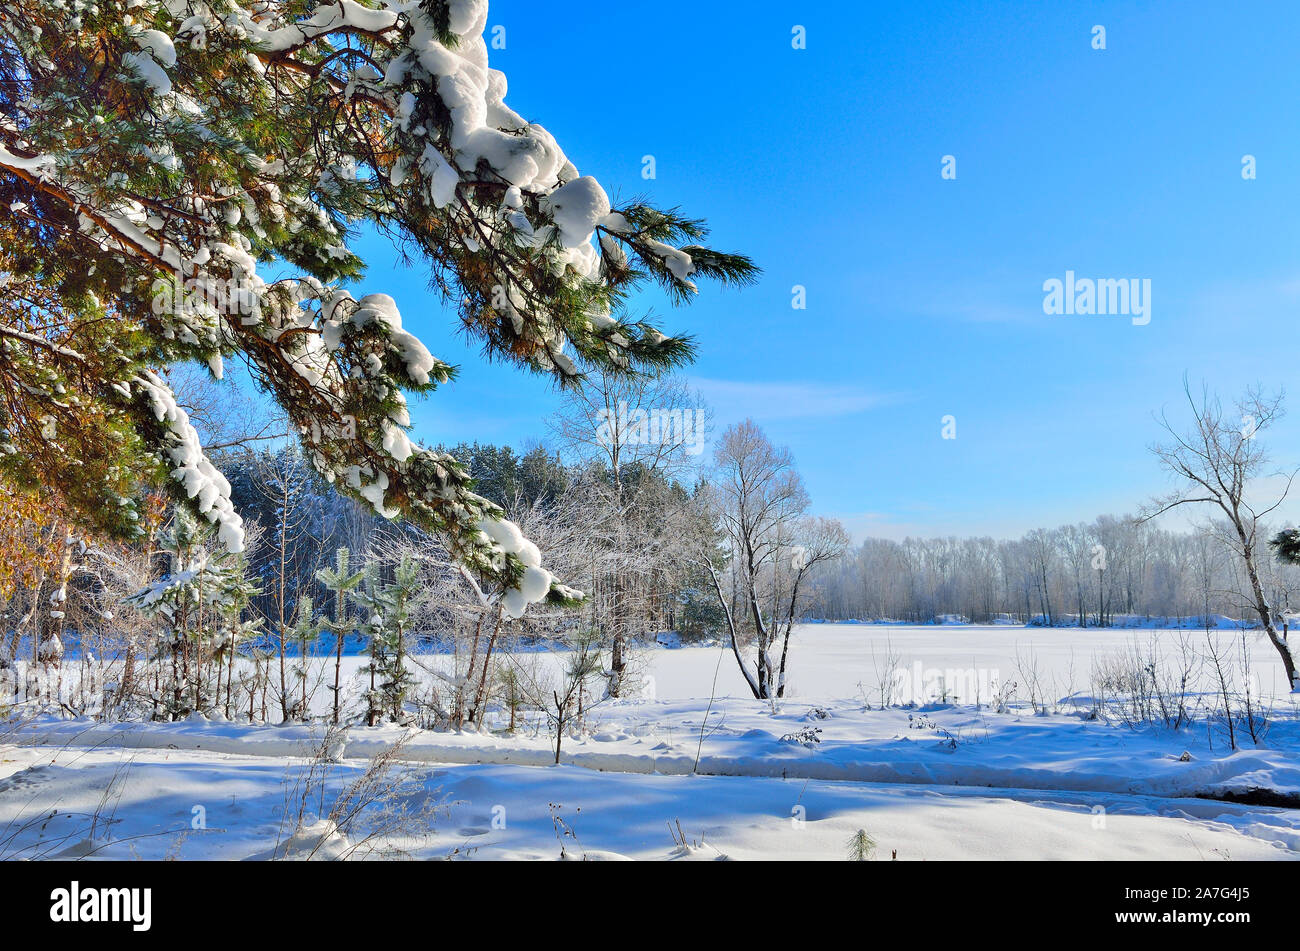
column 1218, row 460
column 225, row 415
column 1207, row 564
column 758, row 496
column 1076, row 545
column 1042, row 554
column 283, row 480
column 818, row 540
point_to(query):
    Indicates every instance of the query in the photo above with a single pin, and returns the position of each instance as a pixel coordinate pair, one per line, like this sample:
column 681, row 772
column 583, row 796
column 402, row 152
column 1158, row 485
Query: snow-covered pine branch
column 155, row 153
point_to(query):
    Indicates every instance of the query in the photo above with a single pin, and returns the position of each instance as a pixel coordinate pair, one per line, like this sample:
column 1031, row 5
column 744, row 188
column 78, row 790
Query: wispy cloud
column 1236, row 300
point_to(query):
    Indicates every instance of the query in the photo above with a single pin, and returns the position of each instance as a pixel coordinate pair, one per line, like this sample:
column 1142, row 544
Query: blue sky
column 924, row 296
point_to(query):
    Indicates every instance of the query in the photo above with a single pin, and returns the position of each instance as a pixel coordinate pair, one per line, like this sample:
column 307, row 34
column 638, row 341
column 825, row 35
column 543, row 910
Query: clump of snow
column 504, row 533
column 148, row 69
column 202, row 481
column 421, row 365
column 158, row 45
column 577, row 208
column 507, row 539
column 319, row 841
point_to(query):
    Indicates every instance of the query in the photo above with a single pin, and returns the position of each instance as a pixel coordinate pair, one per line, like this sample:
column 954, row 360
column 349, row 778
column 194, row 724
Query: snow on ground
column 841, row 660
column 745, row 779
column 938, row 745
column 514, row 812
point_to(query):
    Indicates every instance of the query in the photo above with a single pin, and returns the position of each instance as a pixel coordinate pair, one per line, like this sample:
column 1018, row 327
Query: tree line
column 1089, row 574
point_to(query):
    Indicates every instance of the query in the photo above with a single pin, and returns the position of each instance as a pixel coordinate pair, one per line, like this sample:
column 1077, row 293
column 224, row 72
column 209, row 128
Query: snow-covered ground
column 844, row 660
column 987, row 774
column 494, row 811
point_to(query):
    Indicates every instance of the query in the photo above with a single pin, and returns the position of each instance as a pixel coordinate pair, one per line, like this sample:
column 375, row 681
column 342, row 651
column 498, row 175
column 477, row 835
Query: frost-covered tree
column 236, row 627
column 633, row 427
column 303, row 634
column 815, row 541
column 157, row 156
column 861, row 846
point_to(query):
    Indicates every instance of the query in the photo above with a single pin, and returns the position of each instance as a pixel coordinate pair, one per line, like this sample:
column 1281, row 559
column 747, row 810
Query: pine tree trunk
column 338, row 666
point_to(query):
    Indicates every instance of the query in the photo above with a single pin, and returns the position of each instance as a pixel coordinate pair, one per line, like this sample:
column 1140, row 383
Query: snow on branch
column 178, row 145
column 203, row 484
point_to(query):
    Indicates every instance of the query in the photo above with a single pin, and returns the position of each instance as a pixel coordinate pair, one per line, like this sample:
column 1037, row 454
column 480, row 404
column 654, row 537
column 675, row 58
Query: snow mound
column 321, row 841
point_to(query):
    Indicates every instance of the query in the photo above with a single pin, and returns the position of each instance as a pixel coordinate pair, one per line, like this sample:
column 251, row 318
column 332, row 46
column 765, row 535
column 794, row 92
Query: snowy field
column 1000, row 753
column 843, row 660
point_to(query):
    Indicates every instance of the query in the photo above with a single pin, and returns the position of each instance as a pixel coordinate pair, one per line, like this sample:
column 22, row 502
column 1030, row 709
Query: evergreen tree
column 861, row 846
column 200, row 584
column 237, row 629
column 155, row 153
column 390, row 613
column 341, row 581
column 304, row 634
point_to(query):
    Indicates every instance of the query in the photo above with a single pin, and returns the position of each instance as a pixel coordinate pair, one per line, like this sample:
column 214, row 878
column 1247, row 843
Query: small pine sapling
column 861, row 846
